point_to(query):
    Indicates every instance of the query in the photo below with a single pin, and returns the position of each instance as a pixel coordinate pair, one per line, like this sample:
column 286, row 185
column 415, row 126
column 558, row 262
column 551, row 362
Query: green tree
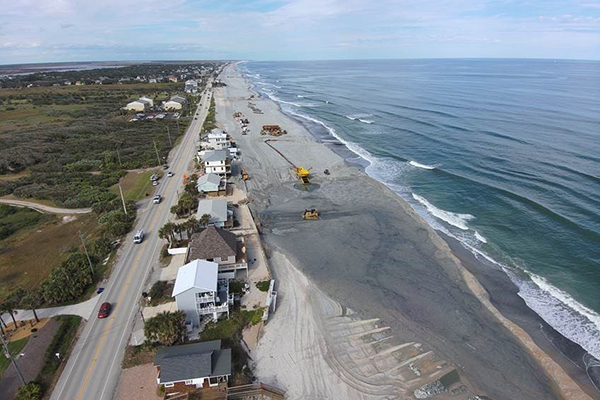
column 204, row 220
column 30, row 391
column 32, row 300
column 9, row 306
column 166, row 328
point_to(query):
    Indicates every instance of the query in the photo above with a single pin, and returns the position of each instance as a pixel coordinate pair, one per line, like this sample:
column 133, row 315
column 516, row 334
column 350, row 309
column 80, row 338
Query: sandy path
column 44, row 208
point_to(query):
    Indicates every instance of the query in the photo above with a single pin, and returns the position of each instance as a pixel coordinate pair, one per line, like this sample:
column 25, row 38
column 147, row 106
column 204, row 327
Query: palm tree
column 9, row 305
column 167, row 328
column 163, row 234
column 32, row 300
column 204, row 220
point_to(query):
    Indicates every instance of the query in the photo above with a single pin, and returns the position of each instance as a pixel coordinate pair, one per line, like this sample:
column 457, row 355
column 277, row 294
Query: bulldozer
column 310, row 214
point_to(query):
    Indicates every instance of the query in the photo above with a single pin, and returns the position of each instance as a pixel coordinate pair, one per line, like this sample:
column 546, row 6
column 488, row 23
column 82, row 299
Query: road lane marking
column 179, row 156
column 127, row 283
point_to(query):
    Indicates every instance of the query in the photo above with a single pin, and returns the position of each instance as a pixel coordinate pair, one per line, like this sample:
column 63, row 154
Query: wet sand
column 370, row 252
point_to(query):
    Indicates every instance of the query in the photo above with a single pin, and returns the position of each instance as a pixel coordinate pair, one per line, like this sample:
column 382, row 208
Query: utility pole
column 86, row 252
column 14, row 363
column 169, row 135
column 157, row 156
column 178, row 127
column 123, row 199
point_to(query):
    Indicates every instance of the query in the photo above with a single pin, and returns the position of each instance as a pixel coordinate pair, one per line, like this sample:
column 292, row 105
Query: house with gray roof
column 217, row 162
column 212, row 185
column 193, row 366
column 199, row 292
column 220, row 215
column 222, row 247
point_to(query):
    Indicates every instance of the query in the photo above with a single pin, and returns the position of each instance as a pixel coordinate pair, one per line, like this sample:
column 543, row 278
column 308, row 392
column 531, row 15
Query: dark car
column 104, row 310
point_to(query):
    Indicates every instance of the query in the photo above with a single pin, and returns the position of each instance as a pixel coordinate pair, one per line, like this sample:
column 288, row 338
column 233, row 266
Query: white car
column 157, row 199
column 170, row 174
column 154, row 183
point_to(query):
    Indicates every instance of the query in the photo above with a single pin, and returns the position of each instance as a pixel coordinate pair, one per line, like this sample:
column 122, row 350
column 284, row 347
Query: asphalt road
column 94, row 367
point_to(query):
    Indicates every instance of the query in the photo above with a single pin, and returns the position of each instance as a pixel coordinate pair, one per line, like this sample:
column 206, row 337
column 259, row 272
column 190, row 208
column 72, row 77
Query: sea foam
column 454, row 219
column 569, row 317
column 419, row 165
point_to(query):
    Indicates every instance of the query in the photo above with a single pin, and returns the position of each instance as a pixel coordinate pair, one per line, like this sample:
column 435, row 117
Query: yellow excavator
column 310, row 214
column 303, row 174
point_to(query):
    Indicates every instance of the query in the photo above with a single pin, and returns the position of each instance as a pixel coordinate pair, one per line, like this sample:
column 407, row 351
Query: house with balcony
column 222, row 247
column 200, row 294
column 220, row 214
column 216, row 140
column 212, row 185
column 217, row 162
column 189, row 367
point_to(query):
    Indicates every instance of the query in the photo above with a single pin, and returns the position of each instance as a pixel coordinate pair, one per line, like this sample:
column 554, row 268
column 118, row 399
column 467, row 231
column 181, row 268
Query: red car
column 104, row 310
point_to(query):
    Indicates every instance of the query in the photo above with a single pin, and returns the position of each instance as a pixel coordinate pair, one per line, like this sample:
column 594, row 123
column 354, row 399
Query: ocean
column 503, row 155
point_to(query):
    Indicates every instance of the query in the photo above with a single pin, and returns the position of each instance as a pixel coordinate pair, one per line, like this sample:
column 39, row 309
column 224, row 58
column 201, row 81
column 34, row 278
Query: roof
column 216, row 208
column 212, row 242
column 213, row 179
column 197, row 274
column 178, row 99
column 192, row 361
column 135, row 102
column 145, row 100
column 216, row 155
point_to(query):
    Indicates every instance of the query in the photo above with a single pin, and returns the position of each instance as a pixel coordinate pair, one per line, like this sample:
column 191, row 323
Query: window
column 189, row 382
column 213, row 381
column 169, row 384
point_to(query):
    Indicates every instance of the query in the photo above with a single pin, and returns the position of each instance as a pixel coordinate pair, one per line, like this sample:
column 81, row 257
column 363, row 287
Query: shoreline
column 497, row 283
column 453, row 269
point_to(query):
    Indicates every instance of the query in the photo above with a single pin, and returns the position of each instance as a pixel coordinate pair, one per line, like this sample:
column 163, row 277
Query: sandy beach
column 373, row 303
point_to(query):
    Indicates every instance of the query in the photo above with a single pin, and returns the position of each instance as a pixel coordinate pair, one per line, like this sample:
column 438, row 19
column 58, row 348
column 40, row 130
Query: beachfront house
column 220, row 214
column 181, row 369
column 212, row 185
column 216, row 140
column 217, row 162
column 222, row 247
column 200, row 294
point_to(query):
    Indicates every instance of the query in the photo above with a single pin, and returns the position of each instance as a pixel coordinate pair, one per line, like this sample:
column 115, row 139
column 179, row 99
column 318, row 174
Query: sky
column 108, row 30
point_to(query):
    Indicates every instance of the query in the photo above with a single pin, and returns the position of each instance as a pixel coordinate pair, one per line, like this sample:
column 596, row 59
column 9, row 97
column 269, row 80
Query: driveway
column 31, row 362
column 84, row 310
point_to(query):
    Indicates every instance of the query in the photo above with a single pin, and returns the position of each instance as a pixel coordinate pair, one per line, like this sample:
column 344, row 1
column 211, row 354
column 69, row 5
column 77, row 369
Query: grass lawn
column 135, row 185
column 14, row 348
column 27, row 257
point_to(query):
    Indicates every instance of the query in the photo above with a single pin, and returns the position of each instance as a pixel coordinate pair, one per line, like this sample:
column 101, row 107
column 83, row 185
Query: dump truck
column 310, row 214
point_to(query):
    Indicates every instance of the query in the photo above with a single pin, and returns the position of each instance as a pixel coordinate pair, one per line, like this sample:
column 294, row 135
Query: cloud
column 291, row 29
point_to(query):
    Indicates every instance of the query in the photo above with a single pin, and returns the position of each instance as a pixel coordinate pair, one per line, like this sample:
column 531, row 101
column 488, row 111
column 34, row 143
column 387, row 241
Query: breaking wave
column 454, row 219
column 419, row 165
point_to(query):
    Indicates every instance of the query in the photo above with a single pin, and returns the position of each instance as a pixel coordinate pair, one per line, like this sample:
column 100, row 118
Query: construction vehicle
column 303, row 174
column 310, row 214
column 273, row 130
column 244, row 174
